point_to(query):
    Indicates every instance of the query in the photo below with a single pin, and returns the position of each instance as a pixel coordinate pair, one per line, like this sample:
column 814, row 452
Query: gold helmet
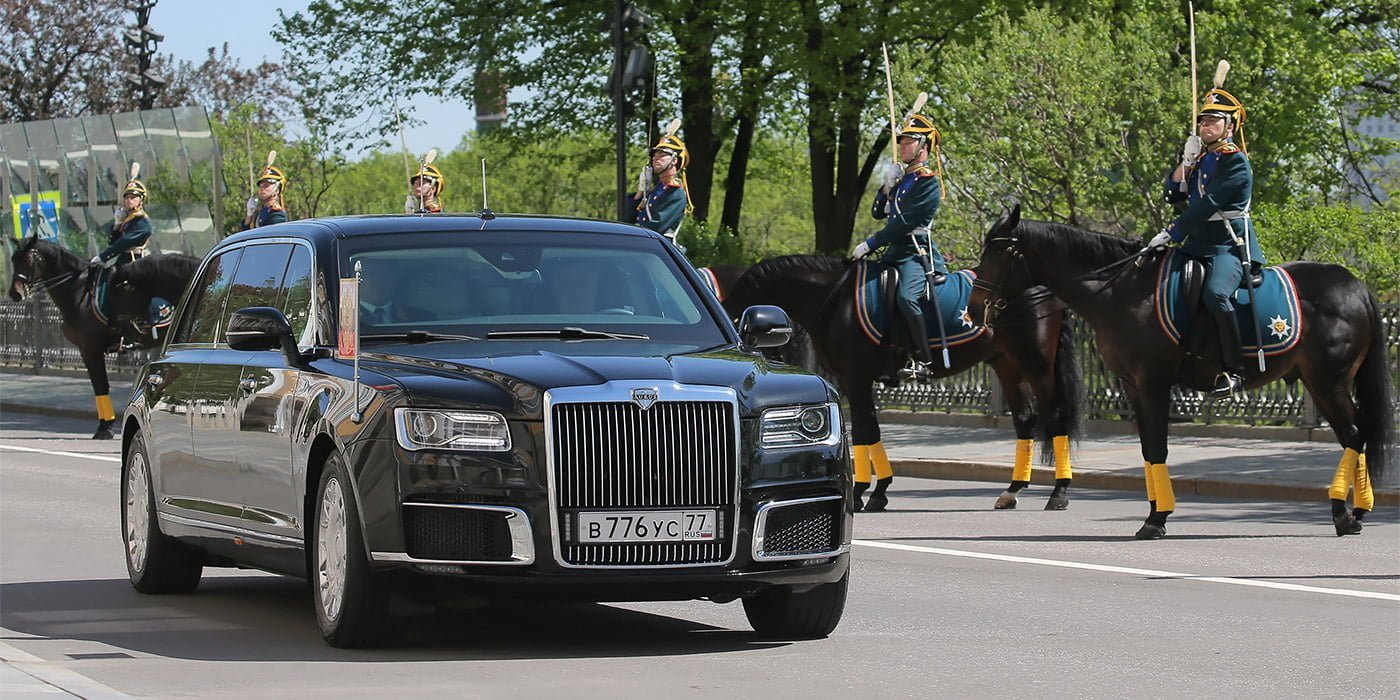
column 431, row 173
column 672, row 144
column 920, row 126
column 136, row 187
column 1222, row 103
column 272, row 174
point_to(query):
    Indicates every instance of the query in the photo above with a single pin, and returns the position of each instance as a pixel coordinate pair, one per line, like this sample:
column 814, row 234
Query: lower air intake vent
column 800, row 528
column 456, row 534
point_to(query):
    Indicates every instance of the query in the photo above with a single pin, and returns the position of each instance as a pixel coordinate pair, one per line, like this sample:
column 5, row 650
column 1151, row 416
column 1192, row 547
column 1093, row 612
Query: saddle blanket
column 708, row 277
column 1275, row 317
column 159, row 312
column 875, row 313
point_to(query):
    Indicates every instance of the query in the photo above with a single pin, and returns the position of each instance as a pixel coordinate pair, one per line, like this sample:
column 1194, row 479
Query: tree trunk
column 695, row 38
column 738, row 174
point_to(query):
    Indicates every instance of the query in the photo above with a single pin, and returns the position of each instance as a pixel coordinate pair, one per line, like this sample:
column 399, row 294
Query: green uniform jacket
column 1221, row 182
column 916, row 200
column 126, row 235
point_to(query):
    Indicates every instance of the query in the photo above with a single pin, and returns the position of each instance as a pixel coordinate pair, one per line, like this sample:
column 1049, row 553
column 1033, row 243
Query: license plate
column 647, row 526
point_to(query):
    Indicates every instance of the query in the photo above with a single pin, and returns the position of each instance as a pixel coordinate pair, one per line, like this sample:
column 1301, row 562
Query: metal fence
column 30, row 337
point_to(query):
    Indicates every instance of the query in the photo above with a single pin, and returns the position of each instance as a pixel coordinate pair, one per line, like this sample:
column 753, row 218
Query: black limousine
column 428, row 405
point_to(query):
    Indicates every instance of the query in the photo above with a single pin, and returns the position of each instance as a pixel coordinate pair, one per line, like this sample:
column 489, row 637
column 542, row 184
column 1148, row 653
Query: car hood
column 514, row 383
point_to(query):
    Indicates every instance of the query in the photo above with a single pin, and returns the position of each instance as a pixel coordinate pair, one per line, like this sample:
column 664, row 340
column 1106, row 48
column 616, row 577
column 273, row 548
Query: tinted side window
column 295, row 300
column 206, row 310
column 259, row 277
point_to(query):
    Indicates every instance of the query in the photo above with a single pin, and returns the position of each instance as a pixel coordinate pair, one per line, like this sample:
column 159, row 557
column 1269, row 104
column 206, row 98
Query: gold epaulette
column 923, row 171
column 1226, row 147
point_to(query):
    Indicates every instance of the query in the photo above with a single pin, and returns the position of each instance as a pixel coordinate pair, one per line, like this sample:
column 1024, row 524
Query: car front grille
column 803, row 528
column 456, row 534
column 615, row 455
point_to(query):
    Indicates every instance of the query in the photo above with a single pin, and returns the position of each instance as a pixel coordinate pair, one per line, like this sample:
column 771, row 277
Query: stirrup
column 1226, row 384
column 917, row 371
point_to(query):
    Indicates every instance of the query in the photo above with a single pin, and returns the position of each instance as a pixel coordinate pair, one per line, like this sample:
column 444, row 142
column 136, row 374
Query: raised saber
column 403, row 147
column 1191, row 19
column 889, row 91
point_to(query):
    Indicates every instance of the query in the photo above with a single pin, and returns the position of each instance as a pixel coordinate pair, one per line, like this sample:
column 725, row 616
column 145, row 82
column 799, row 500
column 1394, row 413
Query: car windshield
column 548, row 287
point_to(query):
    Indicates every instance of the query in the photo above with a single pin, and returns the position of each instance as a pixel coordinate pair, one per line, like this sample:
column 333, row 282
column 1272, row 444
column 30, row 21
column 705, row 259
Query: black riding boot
column 918, row 344
column 1229, row 380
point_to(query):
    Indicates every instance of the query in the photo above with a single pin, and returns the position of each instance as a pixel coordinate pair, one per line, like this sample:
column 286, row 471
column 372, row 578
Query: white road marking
column 1126, row 570
column 60, row 453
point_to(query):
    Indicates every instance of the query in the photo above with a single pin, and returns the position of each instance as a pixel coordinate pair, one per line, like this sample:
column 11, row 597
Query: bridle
column 997, row 302
column 36, row 262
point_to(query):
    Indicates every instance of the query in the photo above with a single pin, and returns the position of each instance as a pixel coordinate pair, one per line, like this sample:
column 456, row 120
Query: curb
column 54, row 411
column 953, row 470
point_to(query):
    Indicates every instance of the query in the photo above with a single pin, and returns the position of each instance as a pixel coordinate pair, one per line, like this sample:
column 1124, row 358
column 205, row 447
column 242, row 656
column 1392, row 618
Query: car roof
column 367, row 225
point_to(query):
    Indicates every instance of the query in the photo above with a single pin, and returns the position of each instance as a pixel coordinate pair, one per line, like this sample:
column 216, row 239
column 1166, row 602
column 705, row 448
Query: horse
column 40, row 265
column 1102, row 279
column 798, row 351
column 1033, row 360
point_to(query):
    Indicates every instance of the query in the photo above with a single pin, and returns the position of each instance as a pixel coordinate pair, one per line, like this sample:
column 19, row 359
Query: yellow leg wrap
column 1022, row 470
column 1363, row 498
column 860, row 459
column 881, row 460
column 1062, row 465
column 1151, row 487
column 104, row 408
column 1341, row 481
column 1166, row 497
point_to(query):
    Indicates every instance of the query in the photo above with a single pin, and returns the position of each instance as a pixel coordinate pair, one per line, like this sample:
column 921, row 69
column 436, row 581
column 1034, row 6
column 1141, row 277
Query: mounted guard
column 426, row 188
column 1213, row 187
column 662, row 199
column 269, row 205
column 127, row 238
column 908, row 201
column 131, row 226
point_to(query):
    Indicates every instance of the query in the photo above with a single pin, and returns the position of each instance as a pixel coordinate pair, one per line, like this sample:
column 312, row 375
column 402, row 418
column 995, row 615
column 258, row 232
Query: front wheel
column 155, row 562
column 352, row 608
column 779, row 613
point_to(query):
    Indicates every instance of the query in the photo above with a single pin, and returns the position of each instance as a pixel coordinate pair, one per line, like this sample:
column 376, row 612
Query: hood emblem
column 644, row 398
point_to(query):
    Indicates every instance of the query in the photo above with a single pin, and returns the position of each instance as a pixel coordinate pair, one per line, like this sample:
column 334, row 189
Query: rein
column 1000, row 303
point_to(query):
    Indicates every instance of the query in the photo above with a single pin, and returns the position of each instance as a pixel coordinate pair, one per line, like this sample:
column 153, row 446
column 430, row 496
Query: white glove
column 118, row 213
column 1191, row 151
column 251, row 207
column 894, row 172
column 861, row 250
column 410, row 205
column 644, row 179
column 96, row 260
column 1160, row 240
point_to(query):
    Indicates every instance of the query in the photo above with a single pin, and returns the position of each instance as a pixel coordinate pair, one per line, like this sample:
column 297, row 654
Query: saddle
column 877, row 304
column 889, row 283
column 1274, row 323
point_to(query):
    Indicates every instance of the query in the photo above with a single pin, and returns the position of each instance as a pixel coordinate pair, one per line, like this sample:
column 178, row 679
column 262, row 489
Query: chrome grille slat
column 613, row 455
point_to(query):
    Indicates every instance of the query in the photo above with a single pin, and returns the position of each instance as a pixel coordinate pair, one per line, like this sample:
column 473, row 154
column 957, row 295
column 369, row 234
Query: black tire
column 352, row 607
column 155, row 562
column 779, row 613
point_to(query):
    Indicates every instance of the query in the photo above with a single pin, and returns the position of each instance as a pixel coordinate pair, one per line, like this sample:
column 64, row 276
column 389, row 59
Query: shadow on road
column 265, row 618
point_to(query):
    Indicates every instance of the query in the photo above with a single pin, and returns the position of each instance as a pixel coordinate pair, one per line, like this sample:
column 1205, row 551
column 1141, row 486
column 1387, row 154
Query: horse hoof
column 1347, row 524
column 876, row 503
column 1057, row 503
column 1151, row 532
column 104, row 430
column 1006, row 501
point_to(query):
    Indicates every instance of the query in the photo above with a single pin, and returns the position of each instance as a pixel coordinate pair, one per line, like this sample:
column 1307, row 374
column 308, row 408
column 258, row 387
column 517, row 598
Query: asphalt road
column 948, row 598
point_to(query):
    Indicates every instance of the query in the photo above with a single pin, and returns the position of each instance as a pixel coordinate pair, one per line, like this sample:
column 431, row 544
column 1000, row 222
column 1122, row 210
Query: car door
column 174, row 408
column 268, row 408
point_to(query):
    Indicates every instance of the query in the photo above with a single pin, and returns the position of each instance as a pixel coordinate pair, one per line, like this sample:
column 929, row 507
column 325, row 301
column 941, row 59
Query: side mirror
column 765, row 327
column 257, row 328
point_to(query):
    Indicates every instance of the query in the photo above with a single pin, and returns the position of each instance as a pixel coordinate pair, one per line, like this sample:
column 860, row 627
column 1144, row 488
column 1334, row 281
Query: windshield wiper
column 567, row 333
column 417, row 337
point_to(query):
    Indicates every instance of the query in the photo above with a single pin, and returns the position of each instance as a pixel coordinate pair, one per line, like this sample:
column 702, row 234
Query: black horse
column 39, row 265
column 1343, row 352
column 797, row 351
column 1034, row 361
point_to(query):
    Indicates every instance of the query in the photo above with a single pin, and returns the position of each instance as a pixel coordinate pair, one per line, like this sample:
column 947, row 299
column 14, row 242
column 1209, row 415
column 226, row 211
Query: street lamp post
column 143, row 41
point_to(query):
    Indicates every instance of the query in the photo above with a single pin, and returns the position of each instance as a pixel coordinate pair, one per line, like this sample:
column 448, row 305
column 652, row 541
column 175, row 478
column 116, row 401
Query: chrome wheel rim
column 330, row 549
column 138, row 515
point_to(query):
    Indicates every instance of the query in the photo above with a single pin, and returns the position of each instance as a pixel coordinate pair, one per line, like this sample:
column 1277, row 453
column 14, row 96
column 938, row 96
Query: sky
column 192, row 26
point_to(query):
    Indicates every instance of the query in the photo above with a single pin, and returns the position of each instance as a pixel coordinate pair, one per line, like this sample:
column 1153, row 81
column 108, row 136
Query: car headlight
column 800, row 426
column 482, row 431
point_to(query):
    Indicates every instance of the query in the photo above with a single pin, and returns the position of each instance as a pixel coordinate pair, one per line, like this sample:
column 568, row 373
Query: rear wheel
column 779, row 613
column 351, row 606
column 155, row 562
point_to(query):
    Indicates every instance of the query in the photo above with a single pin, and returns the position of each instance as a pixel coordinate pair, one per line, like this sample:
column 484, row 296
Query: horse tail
column 1069, row 388
column 1374, row 396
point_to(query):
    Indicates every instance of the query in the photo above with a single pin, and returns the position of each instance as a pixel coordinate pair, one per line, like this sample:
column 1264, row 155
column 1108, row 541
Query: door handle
column 248, row 385
column 154, row 381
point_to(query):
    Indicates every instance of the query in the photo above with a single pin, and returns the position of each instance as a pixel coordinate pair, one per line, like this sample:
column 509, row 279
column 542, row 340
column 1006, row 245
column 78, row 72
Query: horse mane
column 759, row 274
column 155, row 268
column 66, row 259
column 1078, row 243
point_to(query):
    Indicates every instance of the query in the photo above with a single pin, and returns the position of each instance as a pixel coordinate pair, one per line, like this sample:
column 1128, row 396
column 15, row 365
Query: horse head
column 29, row 265
column 1001, row 272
